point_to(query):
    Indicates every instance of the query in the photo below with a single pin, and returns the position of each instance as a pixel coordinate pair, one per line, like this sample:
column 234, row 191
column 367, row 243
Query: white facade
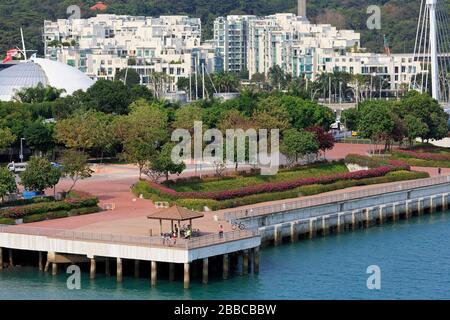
column 103, row 45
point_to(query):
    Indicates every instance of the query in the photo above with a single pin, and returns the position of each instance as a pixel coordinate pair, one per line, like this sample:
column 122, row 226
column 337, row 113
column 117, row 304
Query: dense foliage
column 399, row 17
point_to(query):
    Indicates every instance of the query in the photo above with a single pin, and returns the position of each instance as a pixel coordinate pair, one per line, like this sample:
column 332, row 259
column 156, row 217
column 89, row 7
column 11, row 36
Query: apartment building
column 103, row 45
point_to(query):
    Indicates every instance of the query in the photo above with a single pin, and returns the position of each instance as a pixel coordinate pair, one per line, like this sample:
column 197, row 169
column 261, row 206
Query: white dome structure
column 30, row 73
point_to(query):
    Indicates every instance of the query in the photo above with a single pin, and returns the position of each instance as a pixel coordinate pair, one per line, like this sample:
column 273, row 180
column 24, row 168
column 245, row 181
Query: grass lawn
column 230, row 183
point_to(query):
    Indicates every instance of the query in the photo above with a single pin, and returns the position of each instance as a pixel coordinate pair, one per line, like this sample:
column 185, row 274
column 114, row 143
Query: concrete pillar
column 171, row 271
column 226, row 267
column 256, row 260
column 407, row 209
column 1, row 258
column 324, row 226
column 54, row 269
column 47, row 266
column 205, row 271
column 245, row 263
column 119, row 274
column 154, row 273
column 93, row 269
column 107, row 268
column 277, row 235
column 367, row 217
column 432, row 204
column 338, row 223
column 394, row 212
column 293, row 232
column 419, row 207
column 187, row 278
column 136, row 268
column 312, row 229
column 11, row 261
column 353, row 220
column 41, row 261
column 381, row 214
column 444, row 202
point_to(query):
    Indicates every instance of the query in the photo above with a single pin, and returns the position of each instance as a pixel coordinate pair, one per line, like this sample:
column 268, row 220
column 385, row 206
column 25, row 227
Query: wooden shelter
column 175, row 213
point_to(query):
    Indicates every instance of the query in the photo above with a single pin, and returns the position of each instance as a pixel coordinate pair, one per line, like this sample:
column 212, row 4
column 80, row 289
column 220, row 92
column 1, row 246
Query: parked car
column 57, row 165
column 17, row 167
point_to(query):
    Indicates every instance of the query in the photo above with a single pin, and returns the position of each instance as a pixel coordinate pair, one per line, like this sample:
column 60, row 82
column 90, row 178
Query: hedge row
column 373, row 162
column 60, row 214
column 199, row 204
column 272, row 187
column 19, row 212
column 23, row 202
column 423, row 155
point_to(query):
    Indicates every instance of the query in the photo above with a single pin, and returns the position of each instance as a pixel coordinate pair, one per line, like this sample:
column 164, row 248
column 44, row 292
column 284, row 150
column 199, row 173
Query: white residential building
column 103, row 45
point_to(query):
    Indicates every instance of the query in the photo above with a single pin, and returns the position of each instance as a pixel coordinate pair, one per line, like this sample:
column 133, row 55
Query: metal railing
column 340, row 197
column 145, row 241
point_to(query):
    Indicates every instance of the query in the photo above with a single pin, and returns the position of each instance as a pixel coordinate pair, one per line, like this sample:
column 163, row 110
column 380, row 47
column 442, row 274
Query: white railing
column 146, row 241
column 340, row 197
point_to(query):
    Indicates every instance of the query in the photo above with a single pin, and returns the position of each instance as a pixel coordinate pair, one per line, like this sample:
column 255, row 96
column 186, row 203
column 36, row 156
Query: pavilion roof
column 175, row 213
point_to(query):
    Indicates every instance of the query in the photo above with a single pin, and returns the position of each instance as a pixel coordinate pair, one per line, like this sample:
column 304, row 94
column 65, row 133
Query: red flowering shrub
column 275, row 186
column 424, row 155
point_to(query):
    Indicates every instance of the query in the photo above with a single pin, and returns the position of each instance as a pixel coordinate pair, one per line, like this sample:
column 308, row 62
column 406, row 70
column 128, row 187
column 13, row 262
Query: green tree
column 350, row 118
column 186, row 116
column 132, row 77
column 6, row 138
column 142, row 132
column 377, row 123
column 7, row 183
column 108, row 97
column 162, row 164
column 39, row 93
column 39, row 136
column 40, row 175
column 298, row 144
column 75, row 166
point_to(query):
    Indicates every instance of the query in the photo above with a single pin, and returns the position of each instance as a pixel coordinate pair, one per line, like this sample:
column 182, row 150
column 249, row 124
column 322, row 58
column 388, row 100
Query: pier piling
column 11, row 261
column 367, row 217
column 93, row 269
column 294, row 234
column 256, row 260
column 312, row 229
column 226, row 267
column 41, row 261
column 107, row 268
column 119, row 274
column 1, row 258
column 171, row 271
column 54, row 269
column 154, row 273
column 136, row 268
column 205, row 271
column 187, row 278
column 245, row 263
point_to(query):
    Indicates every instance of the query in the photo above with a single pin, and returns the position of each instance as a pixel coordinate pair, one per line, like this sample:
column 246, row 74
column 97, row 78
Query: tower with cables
column 432, row 50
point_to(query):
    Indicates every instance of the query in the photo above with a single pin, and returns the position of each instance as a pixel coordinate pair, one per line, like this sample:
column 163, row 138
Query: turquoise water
column 414, row 257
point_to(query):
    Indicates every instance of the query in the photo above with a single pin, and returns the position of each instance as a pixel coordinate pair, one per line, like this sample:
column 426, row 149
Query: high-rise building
column 231, row 41
column 302, row 8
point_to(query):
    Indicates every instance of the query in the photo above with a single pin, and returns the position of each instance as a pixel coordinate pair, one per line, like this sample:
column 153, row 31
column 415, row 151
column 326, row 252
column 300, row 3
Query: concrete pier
column 187, row 276
column 205, row 271
column 294, row 234
column 312, row 228
column 368, row 210
column 11, row 261
column 154, row 273
column 171, row 271
column 119, row 274
column 277, row 239
column 93, row 269
column 353, row 220
column 1, row 258
column 225, row 267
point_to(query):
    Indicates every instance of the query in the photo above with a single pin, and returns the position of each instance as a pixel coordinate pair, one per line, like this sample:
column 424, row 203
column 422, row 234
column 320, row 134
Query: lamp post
column 21, row 149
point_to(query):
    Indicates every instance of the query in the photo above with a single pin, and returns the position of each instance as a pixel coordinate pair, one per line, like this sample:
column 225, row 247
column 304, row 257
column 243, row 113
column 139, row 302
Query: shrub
column 46, row 216
column 19, row 212
column 7, row 221
column 83, row 211
column 271, row 187
column 22, row 202
column 423, row 155
column 198, row 204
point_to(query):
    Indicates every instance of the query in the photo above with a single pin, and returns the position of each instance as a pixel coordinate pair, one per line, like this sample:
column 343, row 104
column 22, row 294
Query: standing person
column 221, row 231
column 439, row 171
